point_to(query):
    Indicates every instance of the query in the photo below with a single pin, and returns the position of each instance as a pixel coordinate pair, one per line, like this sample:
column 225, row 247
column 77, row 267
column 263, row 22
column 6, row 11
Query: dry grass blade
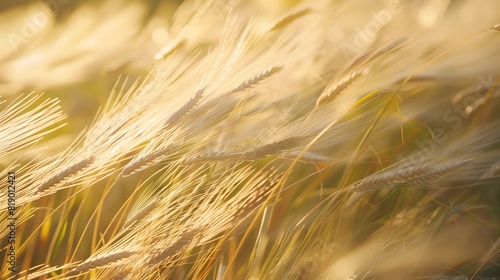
column 64, row 174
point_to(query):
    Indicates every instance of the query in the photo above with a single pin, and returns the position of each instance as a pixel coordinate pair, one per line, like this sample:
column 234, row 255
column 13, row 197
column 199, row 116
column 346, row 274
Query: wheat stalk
column 104, row 260
column 252, row 82
column 65, row 174
column 275, row 147
column 341, row 85
column 418, row 174
column 143, row 212
column 185, row 109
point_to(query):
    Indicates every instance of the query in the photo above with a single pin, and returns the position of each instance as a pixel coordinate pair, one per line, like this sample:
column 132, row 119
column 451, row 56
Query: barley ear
column 104, row 260
column 69, row 171
column 257, row 79
column 186, row 108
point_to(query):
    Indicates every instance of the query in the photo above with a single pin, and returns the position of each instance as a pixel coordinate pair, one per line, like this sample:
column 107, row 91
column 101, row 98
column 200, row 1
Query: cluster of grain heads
column 23, row 123
column 162, row 229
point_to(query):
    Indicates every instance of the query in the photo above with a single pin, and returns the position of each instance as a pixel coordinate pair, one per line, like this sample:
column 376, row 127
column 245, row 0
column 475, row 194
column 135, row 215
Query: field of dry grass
column 230, row 139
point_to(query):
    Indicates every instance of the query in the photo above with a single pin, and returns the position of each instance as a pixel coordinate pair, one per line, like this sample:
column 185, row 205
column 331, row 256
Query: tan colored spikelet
column 420, row 173
column 275, row 148
column 337, row 88
column 141, row 162
column 183, row 240
column 186, row 108
column 257, row 79
column 104, row 260
column 308, row 156
column 254, row 200
column 67, row 172
column 289, row 18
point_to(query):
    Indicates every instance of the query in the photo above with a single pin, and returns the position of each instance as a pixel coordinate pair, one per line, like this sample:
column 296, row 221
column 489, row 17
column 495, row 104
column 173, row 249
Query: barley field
column 259, row 139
